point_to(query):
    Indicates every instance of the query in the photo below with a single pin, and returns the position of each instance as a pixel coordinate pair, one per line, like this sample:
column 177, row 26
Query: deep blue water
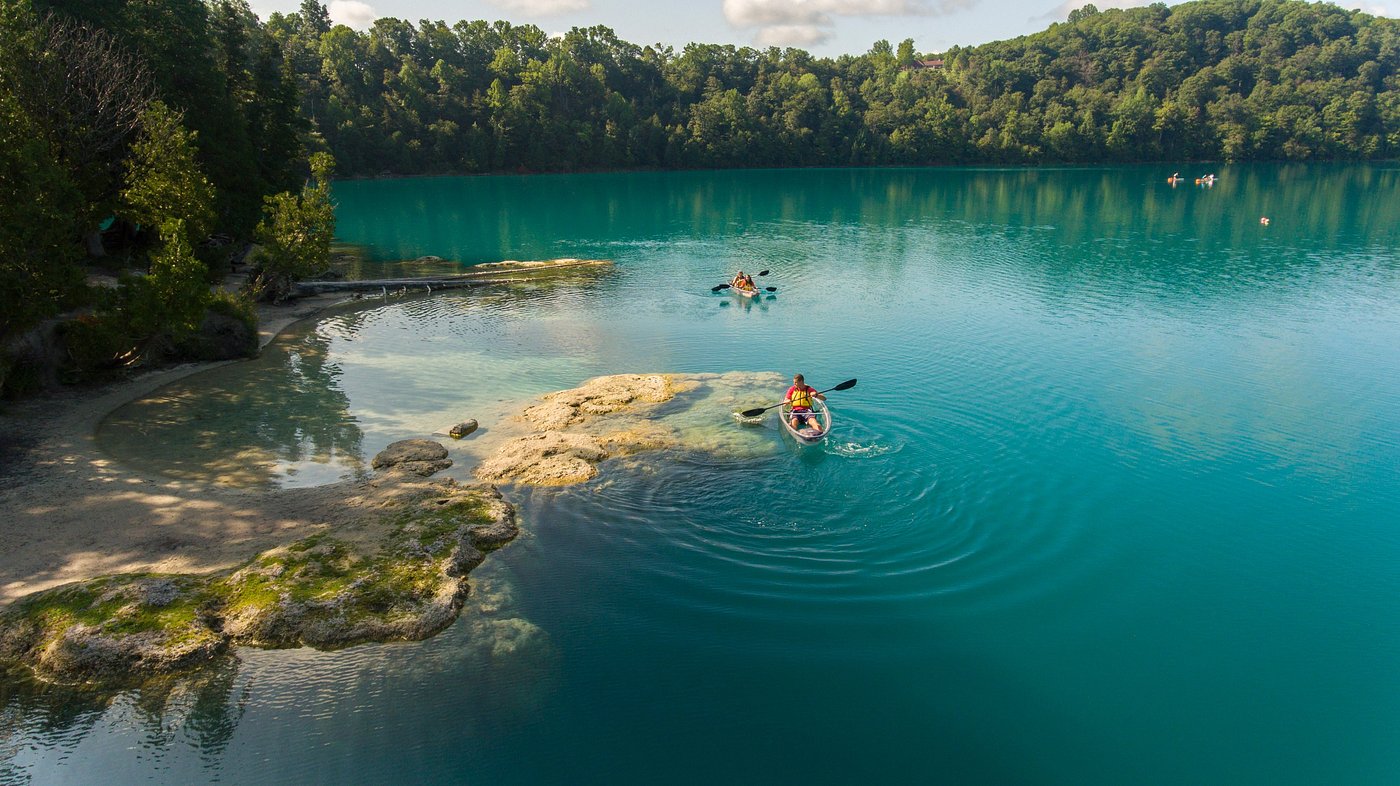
column 1114, row 501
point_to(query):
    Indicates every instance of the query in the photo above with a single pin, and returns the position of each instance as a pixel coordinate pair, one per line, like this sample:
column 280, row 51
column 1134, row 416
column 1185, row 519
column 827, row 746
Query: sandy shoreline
column 69, row 513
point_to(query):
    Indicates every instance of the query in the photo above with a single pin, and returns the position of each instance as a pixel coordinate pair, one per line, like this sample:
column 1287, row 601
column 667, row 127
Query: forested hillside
column 1210, row 79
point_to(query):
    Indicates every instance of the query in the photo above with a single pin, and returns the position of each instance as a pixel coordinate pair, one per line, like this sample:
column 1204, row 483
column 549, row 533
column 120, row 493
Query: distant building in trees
column 934, row 63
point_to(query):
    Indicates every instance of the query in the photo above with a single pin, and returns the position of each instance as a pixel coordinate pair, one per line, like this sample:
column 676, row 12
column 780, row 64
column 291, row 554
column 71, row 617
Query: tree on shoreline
column 295, row 236
column 169, row 120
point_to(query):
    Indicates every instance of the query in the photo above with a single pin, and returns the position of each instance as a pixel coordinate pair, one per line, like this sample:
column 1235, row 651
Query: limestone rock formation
column 112, row 627
column 599, row 396
column 572, row 435
column 549, row 458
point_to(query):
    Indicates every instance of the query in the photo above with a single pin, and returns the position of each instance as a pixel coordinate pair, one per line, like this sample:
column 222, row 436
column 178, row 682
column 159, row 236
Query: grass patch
column 121, row 606
column 434, row 528
column 311, row 569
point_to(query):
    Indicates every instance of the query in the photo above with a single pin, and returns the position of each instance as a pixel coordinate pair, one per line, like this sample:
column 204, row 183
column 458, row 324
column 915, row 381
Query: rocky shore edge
column 401, row 576
column 399, row 573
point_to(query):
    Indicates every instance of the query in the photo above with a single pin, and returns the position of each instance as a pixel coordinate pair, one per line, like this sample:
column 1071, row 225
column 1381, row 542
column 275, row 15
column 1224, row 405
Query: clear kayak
column 755, row 292
column 810, row 433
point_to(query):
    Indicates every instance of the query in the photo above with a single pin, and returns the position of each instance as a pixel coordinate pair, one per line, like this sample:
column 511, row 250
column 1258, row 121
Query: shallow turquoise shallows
column 1115, row 501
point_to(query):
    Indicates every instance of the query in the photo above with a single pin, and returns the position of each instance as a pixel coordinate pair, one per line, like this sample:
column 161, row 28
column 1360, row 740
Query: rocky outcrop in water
column 548, row 458
column 599, row 396
column 112, row 627
column 565, row 448
column 401, row 574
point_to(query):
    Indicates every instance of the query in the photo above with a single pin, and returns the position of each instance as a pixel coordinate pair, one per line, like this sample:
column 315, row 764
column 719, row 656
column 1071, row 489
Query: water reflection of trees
column 305, row 417
column 1117, row 229
column 201, row 709
column 475, row 220
column 490, row 674
column 236, row 423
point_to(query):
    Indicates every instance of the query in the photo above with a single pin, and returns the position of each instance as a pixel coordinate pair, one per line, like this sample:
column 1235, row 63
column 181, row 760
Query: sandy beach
column 69, row 513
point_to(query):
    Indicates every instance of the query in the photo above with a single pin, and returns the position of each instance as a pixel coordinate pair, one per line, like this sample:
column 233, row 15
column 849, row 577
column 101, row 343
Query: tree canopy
column 1207, row 80
column 166, row 120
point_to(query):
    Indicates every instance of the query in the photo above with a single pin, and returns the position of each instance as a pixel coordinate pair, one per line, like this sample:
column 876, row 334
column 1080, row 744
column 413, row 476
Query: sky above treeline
column 823, row 27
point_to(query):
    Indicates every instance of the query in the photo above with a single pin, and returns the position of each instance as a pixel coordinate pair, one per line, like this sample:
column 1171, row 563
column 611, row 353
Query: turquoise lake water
column 1116, row 499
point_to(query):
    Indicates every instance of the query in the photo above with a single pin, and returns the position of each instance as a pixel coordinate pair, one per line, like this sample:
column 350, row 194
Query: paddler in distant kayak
column 799, row 400
column 742, row 281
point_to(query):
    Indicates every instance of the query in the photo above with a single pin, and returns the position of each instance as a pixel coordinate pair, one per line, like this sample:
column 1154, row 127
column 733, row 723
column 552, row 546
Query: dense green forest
column 1204, row 80
column 187, row 128
column 173, row 125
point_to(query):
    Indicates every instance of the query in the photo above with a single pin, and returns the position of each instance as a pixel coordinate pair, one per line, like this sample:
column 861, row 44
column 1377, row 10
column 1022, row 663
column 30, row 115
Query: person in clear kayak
column 799, row 400
column 743, row 281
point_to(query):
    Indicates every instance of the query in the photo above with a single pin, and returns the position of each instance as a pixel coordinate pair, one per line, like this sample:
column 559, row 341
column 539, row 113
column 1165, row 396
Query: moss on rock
column 400, row 576
column 113, row 626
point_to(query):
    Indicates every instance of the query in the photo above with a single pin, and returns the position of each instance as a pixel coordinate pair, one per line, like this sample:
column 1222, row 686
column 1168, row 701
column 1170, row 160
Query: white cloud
column 351, row 13
column 752, row 13
column 802, row 23
column 1061, row 12
column 755, row 13
column 806, row 22
column 543, row 7
column 791, row 35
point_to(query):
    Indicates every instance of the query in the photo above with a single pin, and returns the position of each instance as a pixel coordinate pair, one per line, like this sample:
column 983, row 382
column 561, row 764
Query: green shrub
column 229, row 330
column 295, row 234
column 96, row 343
column 238, row 306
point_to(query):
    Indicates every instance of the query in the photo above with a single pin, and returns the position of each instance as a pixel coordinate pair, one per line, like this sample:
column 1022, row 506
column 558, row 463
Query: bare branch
column 87, row 88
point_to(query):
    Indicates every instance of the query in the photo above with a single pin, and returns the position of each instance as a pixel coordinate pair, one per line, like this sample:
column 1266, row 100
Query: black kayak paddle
column 753, row 413
column 727, row 286
column 759, row 273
